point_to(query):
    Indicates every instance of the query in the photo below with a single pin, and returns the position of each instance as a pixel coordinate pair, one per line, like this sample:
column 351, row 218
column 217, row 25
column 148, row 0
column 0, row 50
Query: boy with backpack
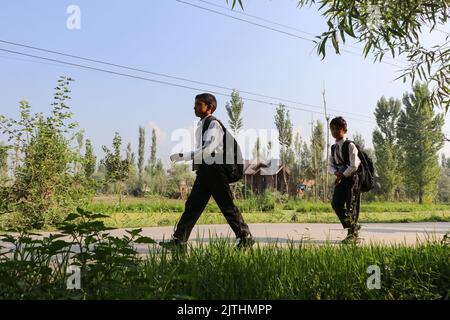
column 211, row 161
column 354, row 173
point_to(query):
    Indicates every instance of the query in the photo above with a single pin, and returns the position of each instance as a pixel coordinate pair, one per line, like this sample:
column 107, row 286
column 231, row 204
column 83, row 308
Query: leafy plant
column 117, row 169
column 45, row 186
column 36, row 268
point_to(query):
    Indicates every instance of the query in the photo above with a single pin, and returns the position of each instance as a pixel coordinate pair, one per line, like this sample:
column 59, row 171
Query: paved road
column 315, row 233
column 387, row 233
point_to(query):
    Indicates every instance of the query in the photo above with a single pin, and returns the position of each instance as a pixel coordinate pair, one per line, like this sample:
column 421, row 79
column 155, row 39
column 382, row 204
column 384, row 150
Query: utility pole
column 327, row 118
column 313, row 150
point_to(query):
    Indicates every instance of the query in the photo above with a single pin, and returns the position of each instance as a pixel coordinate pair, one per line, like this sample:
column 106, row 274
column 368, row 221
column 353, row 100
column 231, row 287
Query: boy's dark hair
column 208, row 99
column 339, row 122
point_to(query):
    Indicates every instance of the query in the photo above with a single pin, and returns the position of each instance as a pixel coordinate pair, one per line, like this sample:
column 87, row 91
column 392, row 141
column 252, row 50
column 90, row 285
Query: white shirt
column 213, row 138
column 353, row 156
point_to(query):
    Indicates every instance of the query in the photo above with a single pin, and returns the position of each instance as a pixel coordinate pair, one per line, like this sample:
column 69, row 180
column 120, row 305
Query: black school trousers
column 210, row 181
column 347, row 200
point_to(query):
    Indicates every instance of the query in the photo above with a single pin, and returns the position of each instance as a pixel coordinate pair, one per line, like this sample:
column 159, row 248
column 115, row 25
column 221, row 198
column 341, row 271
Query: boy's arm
column 354, row 160
column 332, row 168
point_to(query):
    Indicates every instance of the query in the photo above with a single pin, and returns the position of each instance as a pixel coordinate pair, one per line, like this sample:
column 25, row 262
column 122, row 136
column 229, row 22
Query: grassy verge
column 220, row 271
column 164, row 205
column 308, row 272
column 109, row 267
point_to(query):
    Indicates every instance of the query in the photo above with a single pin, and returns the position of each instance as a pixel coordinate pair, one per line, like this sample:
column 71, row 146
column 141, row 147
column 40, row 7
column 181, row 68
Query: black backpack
column 234, row 168
column 365, row 171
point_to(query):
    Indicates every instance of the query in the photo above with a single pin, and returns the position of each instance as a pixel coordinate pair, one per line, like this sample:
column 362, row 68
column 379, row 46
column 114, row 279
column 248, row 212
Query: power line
column 258, row 18
column 156, row 81
column 173, row 77
column 272, row 29
column 170, row 83
column 32, row 61
column 287, row 26
column 264, row 26
column 280, row 24
column 442, row 31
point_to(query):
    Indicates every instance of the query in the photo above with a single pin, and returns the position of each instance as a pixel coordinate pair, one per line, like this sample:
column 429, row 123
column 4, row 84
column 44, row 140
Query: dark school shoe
column 173, row 245
column 245, row 242
column 352, row 238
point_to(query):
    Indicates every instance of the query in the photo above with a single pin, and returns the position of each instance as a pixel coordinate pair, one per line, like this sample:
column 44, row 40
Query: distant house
column 260, row 175
column 184, row 190
column 184, row 186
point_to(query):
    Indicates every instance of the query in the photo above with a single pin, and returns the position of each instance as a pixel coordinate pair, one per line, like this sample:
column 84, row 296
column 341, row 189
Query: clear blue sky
column 166, row 36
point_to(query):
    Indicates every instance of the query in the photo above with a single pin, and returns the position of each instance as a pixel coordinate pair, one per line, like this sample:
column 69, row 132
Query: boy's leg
column 339, row 201
column 195, row 204
column 355, row 205
column 352, row 202
column 221, row 193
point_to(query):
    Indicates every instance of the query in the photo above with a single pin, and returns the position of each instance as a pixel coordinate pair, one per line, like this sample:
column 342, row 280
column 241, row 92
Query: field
column 158, row 211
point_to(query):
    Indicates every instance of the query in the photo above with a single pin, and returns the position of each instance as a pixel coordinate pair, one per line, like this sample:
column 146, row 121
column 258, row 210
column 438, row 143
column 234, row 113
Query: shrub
column 44, row 189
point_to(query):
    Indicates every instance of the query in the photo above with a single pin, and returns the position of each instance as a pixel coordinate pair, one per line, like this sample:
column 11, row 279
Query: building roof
column 266, row 167
column 270, row 171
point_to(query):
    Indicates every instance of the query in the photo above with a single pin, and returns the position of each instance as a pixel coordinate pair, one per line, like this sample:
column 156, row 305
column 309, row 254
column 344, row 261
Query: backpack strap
column 206, row 124
column 333, row 150
column 205, row 127
column 345, row 151
column 224, row 136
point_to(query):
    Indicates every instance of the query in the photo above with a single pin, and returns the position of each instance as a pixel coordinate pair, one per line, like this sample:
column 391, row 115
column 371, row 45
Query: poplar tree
column 284, row 126
column 234, row 109
column 141, row 155
column 117, row 169
column 89, row 160
column 386, row 145
column 420, row 138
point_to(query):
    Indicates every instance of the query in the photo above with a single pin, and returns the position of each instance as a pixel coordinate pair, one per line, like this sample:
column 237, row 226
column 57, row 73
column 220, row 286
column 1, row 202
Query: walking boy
column 344, row 164
column 211, row 179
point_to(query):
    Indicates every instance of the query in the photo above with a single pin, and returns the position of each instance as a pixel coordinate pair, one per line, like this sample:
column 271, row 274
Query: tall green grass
column 219, row 271
column 35, row 267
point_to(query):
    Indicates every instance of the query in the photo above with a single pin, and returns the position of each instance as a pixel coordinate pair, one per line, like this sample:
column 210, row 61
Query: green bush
column 44, row 189
column 36, row 268
column 266, row 201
